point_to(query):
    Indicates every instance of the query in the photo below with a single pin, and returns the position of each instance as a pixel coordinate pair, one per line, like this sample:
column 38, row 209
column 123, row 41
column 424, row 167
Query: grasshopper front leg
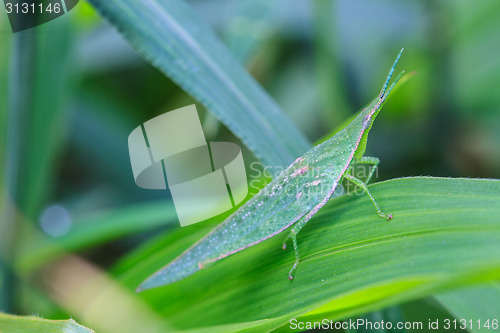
column 373, row 161
column 362, row 185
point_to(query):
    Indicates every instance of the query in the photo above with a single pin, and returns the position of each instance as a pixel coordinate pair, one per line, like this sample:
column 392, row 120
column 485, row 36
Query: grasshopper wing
column 275, row 208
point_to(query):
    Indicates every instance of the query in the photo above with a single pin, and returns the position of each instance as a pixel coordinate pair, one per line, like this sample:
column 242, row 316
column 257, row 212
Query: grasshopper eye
column 366, row 121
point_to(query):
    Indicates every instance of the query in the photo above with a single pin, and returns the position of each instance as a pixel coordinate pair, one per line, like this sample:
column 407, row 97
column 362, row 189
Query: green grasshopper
column 290, row 200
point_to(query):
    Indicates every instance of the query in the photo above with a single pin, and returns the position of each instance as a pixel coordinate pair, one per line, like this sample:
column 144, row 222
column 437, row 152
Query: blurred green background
column 64, row 155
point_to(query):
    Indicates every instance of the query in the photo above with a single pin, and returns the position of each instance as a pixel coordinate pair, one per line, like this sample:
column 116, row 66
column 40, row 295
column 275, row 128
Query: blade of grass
column 98, row 301
column 172, row 38
column 392, row 316
column 35, row 116
column 24, row 324
column 88, row 293
column 43, row 127
column 419, row 312
column 96, row 229
column 4, row 70
column 20, row 91
column 478, row 303
column 445, row 234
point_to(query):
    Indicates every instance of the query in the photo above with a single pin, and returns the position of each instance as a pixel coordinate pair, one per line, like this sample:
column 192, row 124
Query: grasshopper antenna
column 391, row 71
column 400, row 75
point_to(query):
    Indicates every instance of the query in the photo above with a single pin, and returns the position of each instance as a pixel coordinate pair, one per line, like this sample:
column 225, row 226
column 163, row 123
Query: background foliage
column 72, row 90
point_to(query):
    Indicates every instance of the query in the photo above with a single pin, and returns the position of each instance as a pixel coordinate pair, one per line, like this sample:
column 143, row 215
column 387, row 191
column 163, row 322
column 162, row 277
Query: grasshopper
column 289, row 200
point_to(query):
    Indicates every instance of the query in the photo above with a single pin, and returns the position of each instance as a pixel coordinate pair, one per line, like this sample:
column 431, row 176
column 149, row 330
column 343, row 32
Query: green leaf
column 173, row 39
column 96, row 229
column 391, row 316
column 478, row 303
column 445, row 234
column 38, row 111
column 28, row 324
column 5, row 275
column 35, row 122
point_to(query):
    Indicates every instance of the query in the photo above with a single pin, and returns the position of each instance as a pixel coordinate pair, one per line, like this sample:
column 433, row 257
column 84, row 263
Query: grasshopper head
column 373, row 109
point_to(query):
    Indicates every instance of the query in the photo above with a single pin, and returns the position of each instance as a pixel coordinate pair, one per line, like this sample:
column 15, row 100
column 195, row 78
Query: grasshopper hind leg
column 293, row 236
column 299, row 225
column 362, row 185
